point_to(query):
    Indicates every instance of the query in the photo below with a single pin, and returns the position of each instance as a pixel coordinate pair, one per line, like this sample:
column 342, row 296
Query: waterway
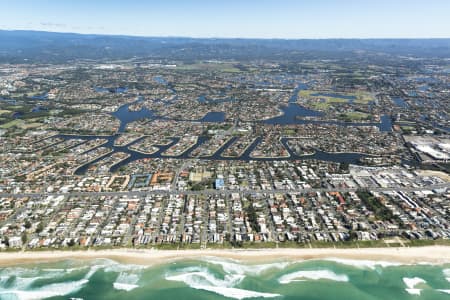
column 213, row 116
column 160, row 80
column 126, row 116
column 294, row 114
column 290, row 116
column 43, row 96
column 400, row 102
column 319, row 155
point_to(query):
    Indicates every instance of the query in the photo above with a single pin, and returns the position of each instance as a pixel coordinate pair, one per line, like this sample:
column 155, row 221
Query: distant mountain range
column 39, row 46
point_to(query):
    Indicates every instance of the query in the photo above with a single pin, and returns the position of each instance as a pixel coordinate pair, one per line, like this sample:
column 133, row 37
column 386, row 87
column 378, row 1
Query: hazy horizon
column 223, row 38
column 264, row 19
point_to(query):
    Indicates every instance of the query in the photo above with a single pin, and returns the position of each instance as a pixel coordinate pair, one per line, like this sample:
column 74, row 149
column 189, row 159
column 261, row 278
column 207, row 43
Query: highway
column 228, row 192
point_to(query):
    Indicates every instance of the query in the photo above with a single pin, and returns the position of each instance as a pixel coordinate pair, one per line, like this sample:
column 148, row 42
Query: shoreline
column 402, row 255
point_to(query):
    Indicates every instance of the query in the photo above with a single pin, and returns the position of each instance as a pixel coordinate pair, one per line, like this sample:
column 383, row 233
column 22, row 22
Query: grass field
column 362, row 97
column 407, row 128
column 5, row 112
column 323, row 102
column 30, row 125
column 354, row 116
column 12, row 124
column 15, row 107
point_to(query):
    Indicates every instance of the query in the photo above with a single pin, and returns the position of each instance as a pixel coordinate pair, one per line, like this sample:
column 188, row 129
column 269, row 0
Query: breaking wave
column 363, row 263
column 312, row 275
column 219, row 277
column 236, row 267
column 47, row 291
column 447, row 274
column 411, row 284
column 126, row 281
column 17, row 283
column 200, row 278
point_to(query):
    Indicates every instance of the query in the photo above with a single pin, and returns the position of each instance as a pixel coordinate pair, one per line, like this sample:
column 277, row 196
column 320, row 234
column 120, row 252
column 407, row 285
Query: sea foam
column 369, row 264
column 203, row 276
column 129, row 274
column 235, row 292
column 23, row 279
column 232, row 266
column 112, row 266
column 447, row 274
column 313, row 275
column 126, row 281
column 47, row 291
column 124, row 286
column 411, row 285
column 201, row 279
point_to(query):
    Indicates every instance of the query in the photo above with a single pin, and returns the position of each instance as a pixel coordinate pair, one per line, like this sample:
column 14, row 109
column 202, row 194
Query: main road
column 443, row 186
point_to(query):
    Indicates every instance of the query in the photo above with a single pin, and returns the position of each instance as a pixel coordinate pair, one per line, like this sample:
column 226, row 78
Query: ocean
column 219, row 278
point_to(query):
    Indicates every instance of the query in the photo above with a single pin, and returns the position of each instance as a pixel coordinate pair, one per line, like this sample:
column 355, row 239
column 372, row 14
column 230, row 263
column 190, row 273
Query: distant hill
column 39, row 46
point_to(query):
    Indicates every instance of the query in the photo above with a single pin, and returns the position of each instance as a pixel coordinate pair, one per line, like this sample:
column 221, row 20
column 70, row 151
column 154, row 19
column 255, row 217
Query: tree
column 343, row 167
column 227, row 237
column 352, row 235
column 376, row 206
column 252, row 218
column 27, row 224
column 39, row 227
column 71, row 243
column 24, row 238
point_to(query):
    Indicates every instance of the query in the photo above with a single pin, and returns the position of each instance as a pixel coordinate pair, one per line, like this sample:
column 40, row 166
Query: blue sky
column 234, row 18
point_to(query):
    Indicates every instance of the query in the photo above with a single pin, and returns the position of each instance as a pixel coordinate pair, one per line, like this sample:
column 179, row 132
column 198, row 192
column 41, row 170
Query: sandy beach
column 406, row 255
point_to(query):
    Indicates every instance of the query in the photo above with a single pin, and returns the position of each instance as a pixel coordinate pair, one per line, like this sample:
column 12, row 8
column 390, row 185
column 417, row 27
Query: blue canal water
column 160, row 80
column 424, row 88
column 293, row 112
column 290, row 114
column 214, row 116
column 126, row 116
column 17, row 114
column 319, row 155
column 38, row 109
column 40, row 97
column 9, row 101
